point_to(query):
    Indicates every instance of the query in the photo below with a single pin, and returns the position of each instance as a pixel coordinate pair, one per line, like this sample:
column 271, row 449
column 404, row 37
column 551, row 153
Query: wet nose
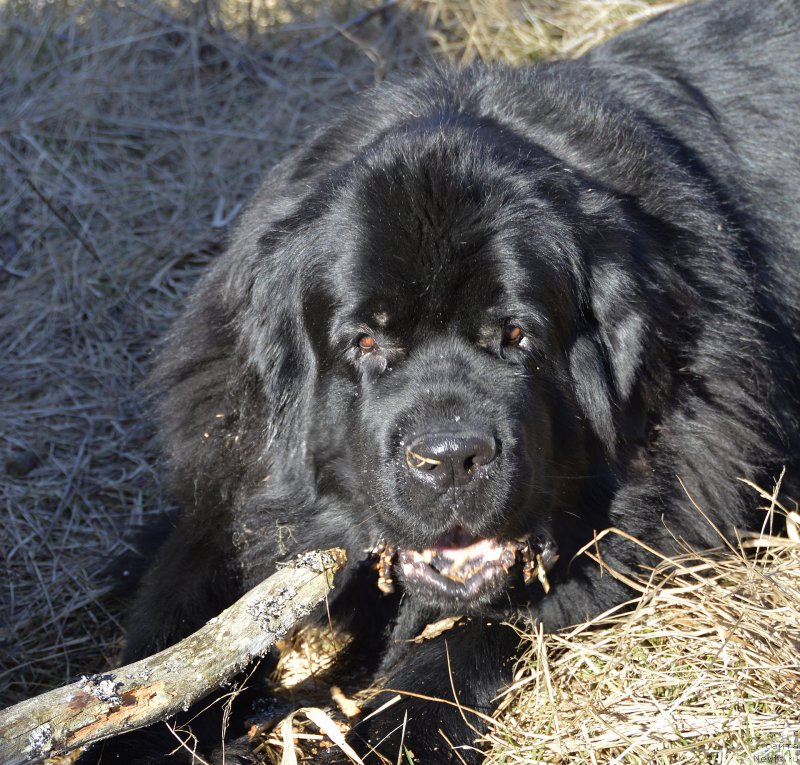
column 445, row 460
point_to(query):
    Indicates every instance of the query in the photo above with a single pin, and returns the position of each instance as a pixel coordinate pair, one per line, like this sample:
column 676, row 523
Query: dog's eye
column 366, row 343
column 512, row 334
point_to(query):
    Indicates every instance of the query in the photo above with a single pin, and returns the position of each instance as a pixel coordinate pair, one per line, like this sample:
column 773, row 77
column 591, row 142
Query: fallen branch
column 154, row 688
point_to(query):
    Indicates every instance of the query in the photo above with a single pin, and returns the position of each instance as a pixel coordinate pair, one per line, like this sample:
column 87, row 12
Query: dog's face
column 444, row 313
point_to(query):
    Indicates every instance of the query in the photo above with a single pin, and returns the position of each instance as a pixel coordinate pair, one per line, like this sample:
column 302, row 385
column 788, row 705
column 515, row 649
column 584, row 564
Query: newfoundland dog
column 476, row 320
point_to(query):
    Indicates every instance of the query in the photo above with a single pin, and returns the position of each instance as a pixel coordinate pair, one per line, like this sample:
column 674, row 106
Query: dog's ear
column 607, row 355
column 273, row 327
column 198, row 383
column 621, row 328
column 232, row 373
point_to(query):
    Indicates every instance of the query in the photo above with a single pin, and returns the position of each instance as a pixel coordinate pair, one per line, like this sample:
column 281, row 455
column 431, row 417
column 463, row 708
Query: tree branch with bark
column 153, row 689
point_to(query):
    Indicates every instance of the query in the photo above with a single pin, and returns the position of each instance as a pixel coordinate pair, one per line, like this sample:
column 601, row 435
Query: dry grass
column 705, row 669
column 130, row 135
column 518, row 32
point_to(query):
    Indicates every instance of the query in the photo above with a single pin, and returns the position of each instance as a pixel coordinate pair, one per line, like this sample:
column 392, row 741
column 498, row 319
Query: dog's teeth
column 477, row 562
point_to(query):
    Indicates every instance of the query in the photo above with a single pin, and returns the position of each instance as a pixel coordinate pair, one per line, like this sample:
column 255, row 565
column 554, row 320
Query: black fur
column 635, row 212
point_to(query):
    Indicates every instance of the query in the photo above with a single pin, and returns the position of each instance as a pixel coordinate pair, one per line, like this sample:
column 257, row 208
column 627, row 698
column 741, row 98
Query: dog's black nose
column 445, row 460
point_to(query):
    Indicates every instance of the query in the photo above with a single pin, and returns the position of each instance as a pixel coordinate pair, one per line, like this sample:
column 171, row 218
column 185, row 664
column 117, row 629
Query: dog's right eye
column 512, row 334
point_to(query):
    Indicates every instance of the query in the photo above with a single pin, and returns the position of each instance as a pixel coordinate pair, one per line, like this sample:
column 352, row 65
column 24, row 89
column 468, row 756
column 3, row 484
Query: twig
column 154, row 688
column 353, row 22
column 87, row 245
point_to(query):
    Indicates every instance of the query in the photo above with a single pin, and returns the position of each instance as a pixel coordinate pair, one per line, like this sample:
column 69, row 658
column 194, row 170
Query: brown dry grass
column 705, row 669
column 130, row 135
column 517, row 32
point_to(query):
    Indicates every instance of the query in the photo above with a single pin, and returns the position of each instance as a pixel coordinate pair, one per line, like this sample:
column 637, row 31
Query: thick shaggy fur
column 635, row 213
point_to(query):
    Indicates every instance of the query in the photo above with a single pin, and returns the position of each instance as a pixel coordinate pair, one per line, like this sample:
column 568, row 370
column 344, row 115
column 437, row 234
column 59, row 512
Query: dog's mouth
column 463, row 566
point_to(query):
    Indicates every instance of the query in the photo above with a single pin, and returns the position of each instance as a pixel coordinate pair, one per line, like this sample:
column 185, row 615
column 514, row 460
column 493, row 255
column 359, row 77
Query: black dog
column 479, row 318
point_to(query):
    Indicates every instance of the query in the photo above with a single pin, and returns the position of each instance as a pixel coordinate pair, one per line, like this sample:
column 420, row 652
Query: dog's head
column 464, row 352
column 442, row 327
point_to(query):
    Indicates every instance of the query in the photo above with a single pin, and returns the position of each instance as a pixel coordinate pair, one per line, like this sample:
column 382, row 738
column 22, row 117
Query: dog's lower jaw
column 464, row 573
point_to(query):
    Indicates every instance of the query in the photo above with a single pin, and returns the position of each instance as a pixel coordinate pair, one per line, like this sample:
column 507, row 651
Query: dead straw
column 704, row 669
